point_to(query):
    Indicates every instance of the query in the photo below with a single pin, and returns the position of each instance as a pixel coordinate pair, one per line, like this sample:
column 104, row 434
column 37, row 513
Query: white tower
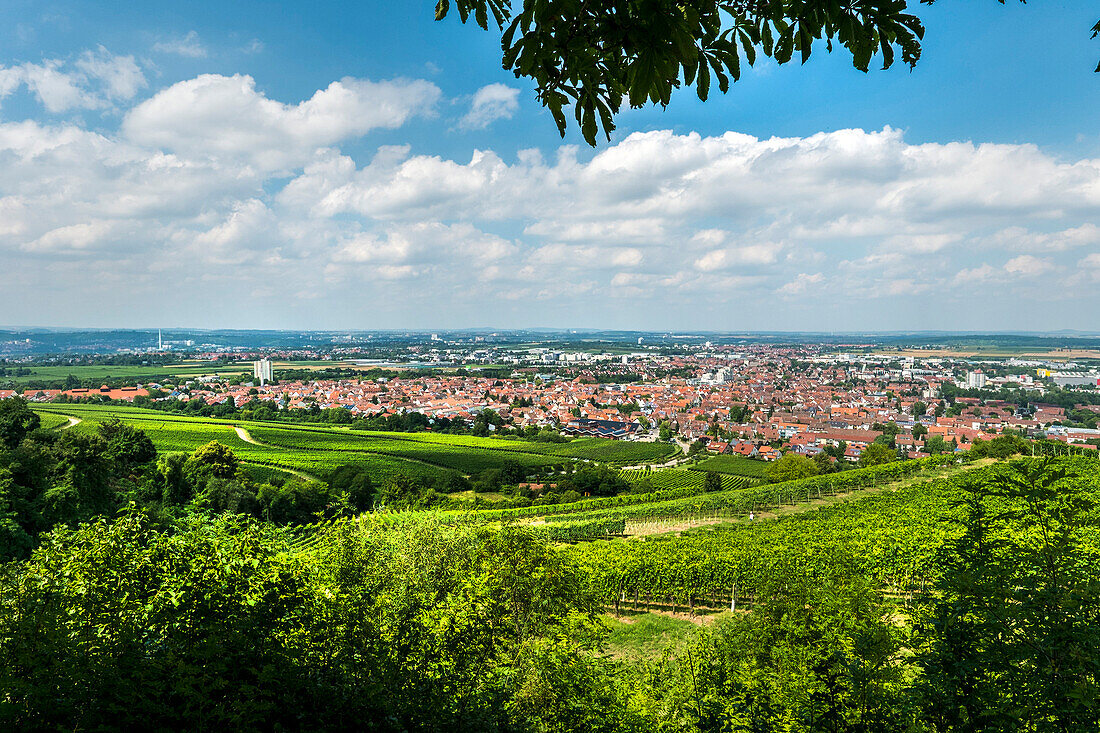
column 261, row 370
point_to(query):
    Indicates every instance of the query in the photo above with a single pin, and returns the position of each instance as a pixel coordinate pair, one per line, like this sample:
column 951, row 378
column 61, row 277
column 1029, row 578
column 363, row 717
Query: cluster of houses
column 758, row 404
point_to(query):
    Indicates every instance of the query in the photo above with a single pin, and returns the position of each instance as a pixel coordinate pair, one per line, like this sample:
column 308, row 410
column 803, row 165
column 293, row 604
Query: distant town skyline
column 265, row 166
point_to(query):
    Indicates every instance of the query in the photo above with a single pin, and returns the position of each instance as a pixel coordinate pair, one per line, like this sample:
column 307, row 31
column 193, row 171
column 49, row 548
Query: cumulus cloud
column 54, row 89
column 423, row 250
column 70, row 239
column 1017, row 268
column 579, row 256
column 226, row 116
column 817, row 188
column 96, row 79
column 490, row 103
column 212, row 187
column 1020, row 238
column 188, row 46
column 801, row 283
column 1027, row 266
column 732, row 256
column 121, row 77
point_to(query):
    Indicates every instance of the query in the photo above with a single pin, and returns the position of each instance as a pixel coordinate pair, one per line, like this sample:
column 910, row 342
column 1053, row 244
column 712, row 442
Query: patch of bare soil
column 699, row 619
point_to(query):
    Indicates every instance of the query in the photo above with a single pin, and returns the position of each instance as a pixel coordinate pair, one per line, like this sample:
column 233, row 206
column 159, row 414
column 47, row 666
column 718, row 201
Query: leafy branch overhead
column 595, row 54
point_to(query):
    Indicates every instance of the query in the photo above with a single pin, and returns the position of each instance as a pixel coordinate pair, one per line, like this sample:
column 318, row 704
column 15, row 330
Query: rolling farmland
column 316, row 450
column 56, row 375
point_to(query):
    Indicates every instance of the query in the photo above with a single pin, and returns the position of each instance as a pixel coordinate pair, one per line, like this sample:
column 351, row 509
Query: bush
column 224, row 626
column 791, row 467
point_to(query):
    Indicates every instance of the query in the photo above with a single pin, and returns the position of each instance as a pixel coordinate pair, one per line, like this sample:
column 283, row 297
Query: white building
column 975, row 380
column 261, row 370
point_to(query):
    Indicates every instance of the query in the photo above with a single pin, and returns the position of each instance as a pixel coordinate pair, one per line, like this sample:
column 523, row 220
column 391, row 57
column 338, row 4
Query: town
column 758, row 401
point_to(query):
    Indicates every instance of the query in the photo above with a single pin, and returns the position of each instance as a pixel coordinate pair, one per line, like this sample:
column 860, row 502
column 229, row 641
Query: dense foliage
column 317, row 450
column 118, row 625
column 147, row 590
column 960, row 604
column 50, row 478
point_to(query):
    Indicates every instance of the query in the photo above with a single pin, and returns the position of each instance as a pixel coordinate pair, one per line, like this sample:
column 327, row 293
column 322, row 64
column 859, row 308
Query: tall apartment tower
column 261, row 370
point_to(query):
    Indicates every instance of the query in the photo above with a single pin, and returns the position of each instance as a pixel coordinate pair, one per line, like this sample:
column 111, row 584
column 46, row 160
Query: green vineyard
column 677, row 478
column 316, row 450
column 891, row 538
column 734, row 465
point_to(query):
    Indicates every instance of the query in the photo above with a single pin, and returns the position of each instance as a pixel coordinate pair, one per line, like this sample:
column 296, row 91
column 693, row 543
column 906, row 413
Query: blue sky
column 172, row 164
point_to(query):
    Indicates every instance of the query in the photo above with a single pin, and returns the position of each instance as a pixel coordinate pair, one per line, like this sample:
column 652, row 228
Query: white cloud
column 587, row 257
column 751, row 254
column 55, row 89
column 121, row 77
column 621, row 231
column 210, row 189
column 799, row 187
column 923, row 243
column 95, row 80
column 227, row 117
column 1020, row 238
column 1022, row 267
column 428, row 248
column 10, row 79
column 247, row 234
column 981, row 274
column 1027, row 266
column 490, row 103
column 801, row 283
column 188, row 46
column 70, row 239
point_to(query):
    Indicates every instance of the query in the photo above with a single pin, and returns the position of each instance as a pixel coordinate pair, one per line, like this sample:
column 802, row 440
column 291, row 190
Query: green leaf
column 703, row 87
column 644, row 76
column 588, row 123
column 506, row 39
column 887, row 53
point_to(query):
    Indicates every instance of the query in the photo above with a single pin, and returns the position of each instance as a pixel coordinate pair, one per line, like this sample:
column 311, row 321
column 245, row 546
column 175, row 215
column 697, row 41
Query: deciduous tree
column 594, row 55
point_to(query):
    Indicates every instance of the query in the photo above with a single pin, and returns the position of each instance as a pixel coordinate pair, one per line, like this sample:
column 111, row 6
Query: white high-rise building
column 975, row 380
column 261, row 370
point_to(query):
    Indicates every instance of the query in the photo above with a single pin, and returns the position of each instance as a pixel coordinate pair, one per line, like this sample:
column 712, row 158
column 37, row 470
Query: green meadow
column 56, row 375
column 316, row 450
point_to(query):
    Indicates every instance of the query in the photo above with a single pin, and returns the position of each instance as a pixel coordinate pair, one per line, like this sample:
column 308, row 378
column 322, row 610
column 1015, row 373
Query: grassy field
column 316, row 450
column 640, row 638
column 992, row 352
column 55, row 375
column 466, row 459
column 186, row 370
column 185, row 435
column 733, row 465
